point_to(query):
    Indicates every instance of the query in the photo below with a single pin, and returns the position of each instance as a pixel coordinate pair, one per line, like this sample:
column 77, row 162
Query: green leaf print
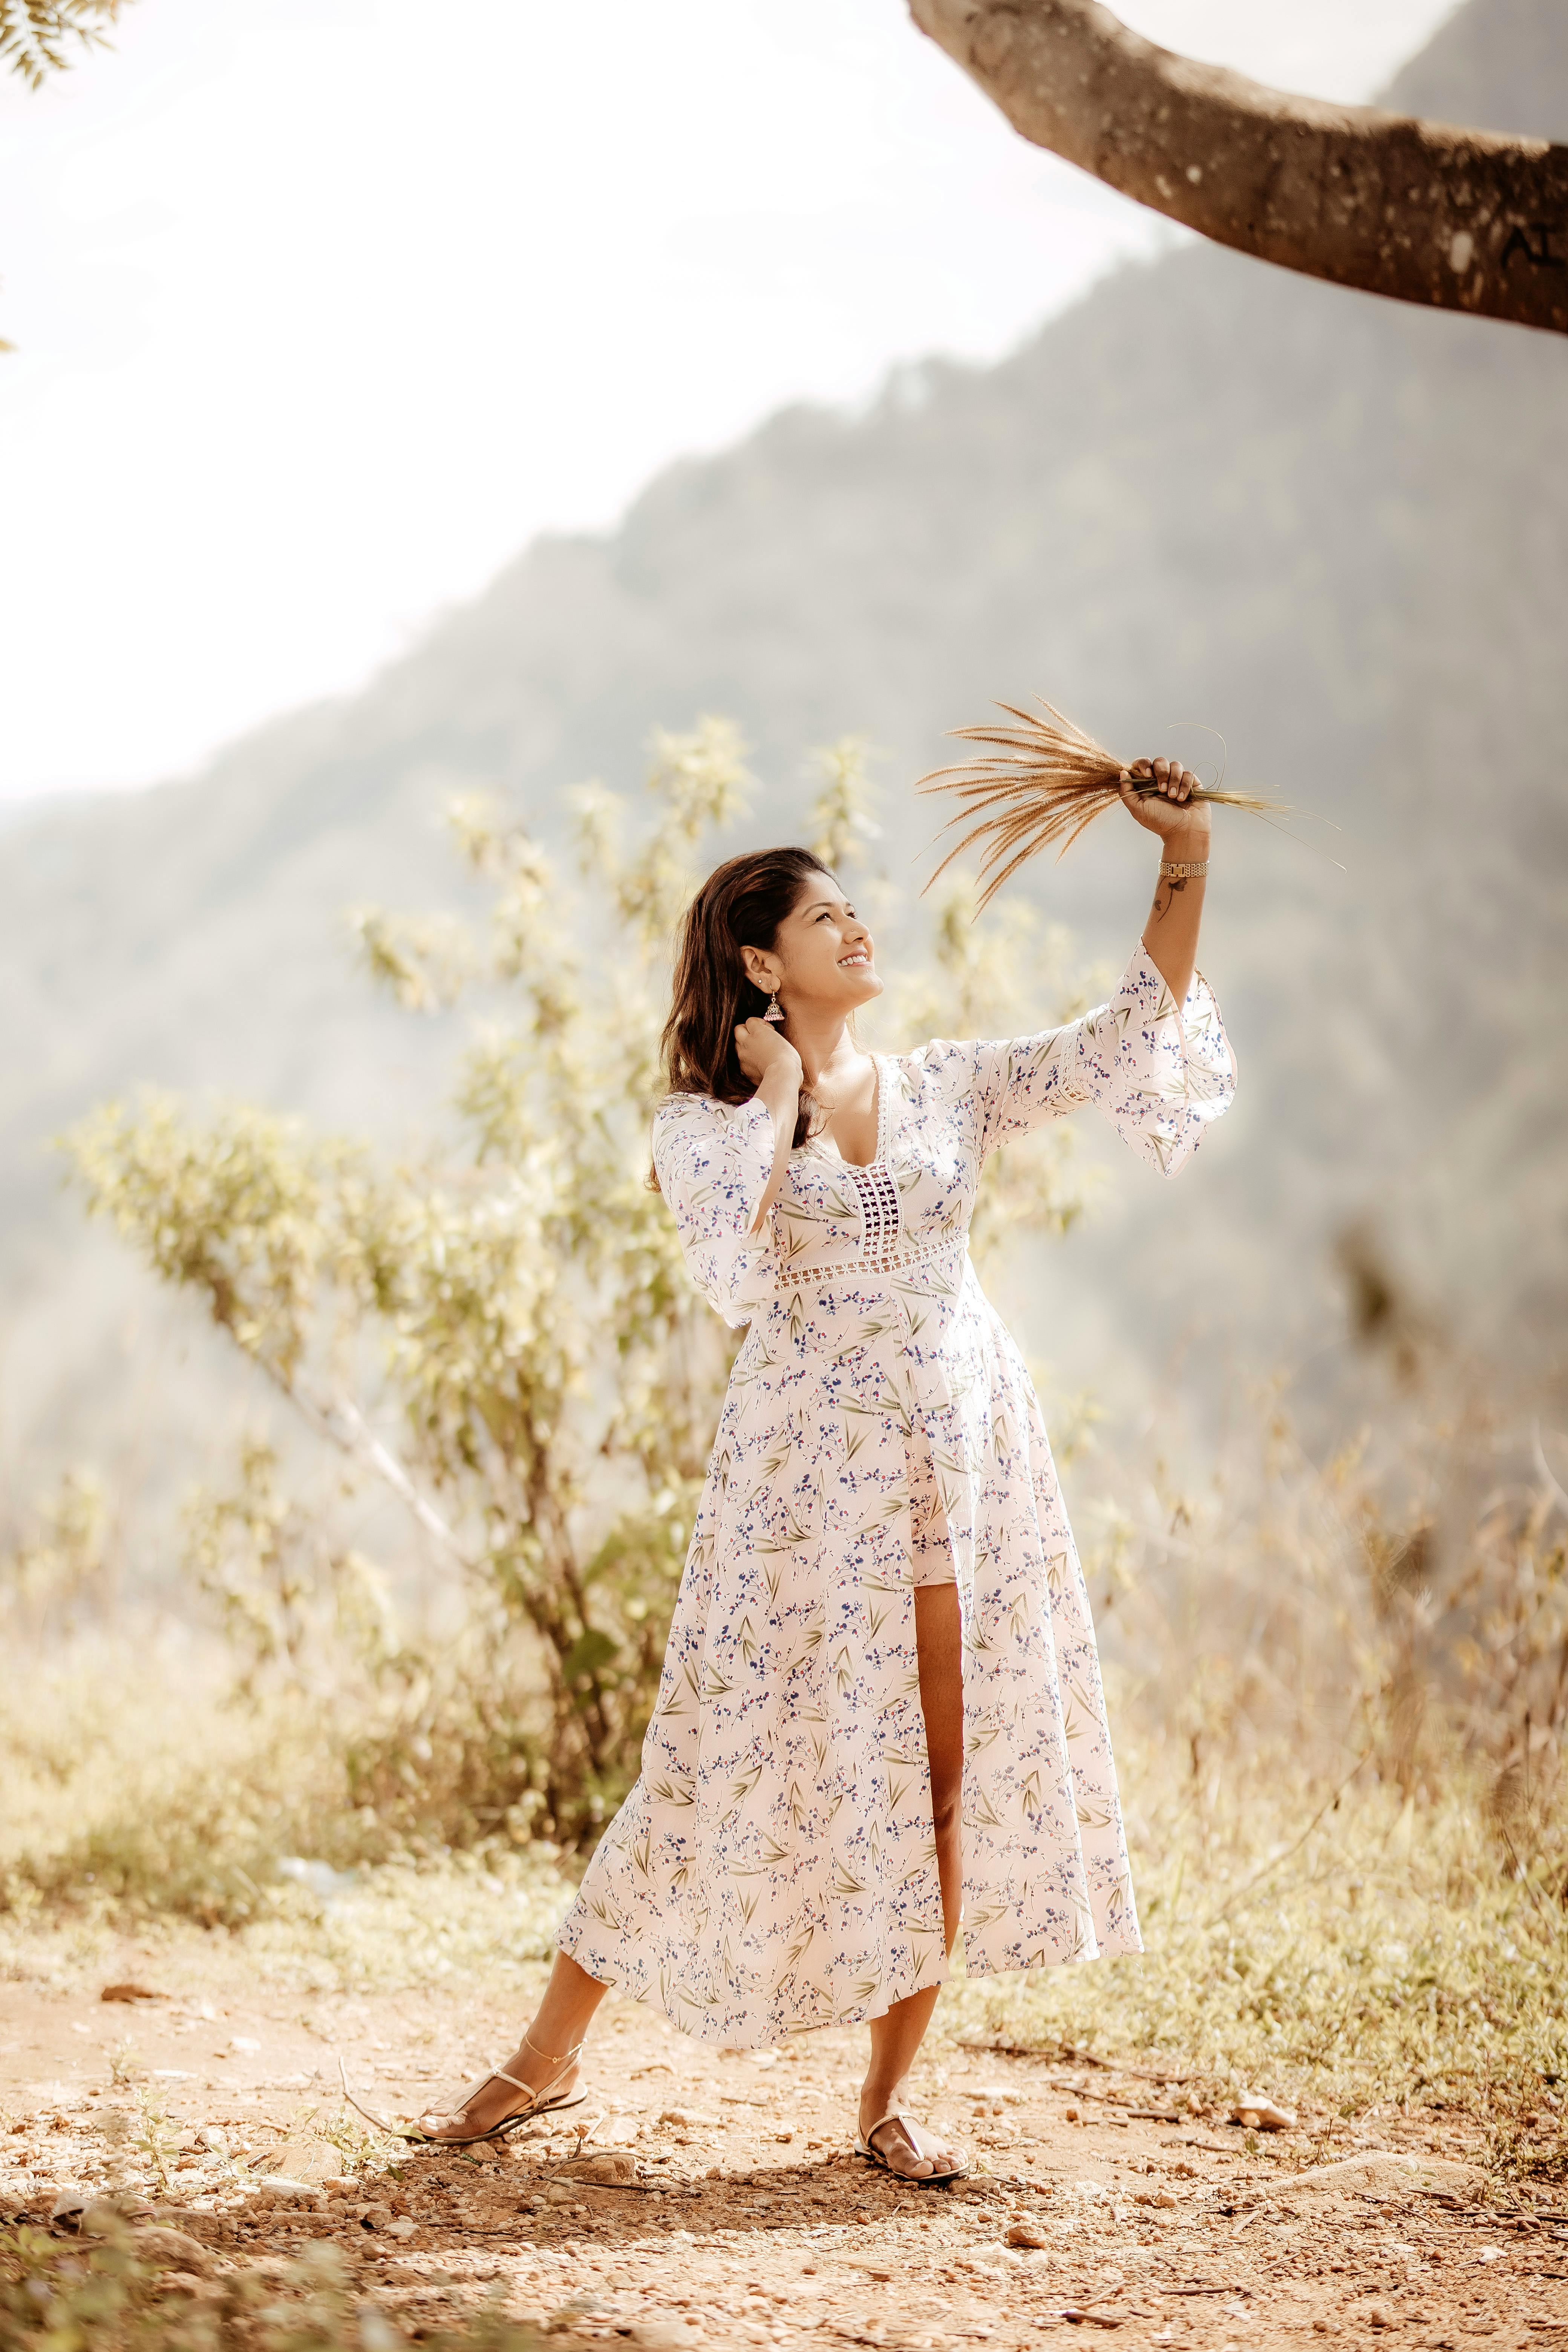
column 979, row 1813
column 985, row 1914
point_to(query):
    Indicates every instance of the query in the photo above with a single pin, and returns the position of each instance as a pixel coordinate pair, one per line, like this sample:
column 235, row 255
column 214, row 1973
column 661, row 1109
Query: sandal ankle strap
column 552, row 2057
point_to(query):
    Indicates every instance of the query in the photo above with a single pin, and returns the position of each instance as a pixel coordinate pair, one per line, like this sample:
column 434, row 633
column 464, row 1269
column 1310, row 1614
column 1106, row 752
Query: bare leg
column 558, row 2024
column 896, row 2035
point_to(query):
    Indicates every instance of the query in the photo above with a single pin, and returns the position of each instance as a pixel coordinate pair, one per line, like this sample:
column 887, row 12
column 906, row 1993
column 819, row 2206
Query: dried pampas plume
column 1038, row 781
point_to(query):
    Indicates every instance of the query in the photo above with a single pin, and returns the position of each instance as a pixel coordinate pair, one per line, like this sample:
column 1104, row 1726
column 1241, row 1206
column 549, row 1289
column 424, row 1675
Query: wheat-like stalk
column 1040, row 780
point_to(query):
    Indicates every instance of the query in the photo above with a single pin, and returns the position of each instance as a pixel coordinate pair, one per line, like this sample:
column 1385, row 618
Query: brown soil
column 744, row 2220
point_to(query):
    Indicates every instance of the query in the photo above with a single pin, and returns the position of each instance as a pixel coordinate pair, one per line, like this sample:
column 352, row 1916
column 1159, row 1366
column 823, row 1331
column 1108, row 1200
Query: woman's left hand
column 1170, row 809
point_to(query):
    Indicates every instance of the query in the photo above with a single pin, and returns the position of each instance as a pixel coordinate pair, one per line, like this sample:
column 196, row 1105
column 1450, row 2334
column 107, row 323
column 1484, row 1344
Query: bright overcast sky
column 325, row 306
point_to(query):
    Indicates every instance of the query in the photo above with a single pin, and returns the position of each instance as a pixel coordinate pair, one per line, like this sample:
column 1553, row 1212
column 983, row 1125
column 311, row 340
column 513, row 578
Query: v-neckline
column 859, row 1167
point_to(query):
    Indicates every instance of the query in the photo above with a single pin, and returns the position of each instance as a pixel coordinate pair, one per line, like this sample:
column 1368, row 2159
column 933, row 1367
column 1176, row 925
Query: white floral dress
column 774, row 1866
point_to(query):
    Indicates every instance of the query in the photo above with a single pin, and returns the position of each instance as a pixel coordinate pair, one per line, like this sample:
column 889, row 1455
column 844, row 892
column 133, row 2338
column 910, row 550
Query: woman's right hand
column 762, row 1048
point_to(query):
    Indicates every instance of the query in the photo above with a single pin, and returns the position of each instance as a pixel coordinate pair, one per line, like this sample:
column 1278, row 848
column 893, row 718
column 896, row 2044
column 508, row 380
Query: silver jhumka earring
column 774, row 1011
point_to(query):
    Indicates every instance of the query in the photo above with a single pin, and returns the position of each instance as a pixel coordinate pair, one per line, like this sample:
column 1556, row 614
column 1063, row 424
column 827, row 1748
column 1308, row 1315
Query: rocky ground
column 708, row 2198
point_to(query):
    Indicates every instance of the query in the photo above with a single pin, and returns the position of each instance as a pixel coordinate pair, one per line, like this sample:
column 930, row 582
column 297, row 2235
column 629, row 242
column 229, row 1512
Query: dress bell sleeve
column 713, row 1160
column 1159, row 1071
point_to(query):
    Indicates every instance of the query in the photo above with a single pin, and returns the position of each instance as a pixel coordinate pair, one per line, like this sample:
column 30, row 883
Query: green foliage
column 110, row 2295
column 508, row 1337
column 39, row 38
column 284, row 1595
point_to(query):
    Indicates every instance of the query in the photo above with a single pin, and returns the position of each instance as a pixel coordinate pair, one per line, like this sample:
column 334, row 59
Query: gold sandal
column 537, row 2103
column 864, row 2145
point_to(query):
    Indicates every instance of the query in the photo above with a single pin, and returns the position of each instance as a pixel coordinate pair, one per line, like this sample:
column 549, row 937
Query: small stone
column 404, row 2229
column 1029, row 2234
column 1256, row 2112
column 129, row 1992
column 608, row 2170
column 1073, row 2115
column 173, row 2250
column 279, row 2189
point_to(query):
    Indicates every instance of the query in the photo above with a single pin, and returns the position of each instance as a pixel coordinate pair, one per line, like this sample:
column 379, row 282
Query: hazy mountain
column 1334, row 529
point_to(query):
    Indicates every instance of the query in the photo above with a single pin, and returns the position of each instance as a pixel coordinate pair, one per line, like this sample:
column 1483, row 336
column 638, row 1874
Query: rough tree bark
column 1458, row 219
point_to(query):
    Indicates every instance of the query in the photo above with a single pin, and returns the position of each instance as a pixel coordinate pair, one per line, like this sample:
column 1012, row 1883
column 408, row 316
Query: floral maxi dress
column 774, row 1866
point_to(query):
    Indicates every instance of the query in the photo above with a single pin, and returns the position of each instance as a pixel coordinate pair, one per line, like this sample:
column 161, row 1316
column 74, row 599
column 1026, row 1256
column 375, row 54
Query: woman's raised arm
column 1170, row 933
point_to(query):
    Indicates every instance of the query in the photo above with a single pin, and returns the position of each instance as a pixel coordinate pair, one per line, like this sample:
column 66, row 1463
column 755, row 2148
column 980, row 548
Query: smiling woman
column 880, row 1710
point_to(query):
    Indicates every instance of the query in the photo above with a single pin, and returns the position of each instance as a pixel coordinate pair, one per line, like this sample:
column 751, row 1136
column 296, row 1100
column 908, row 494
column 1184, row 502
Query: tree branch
column 1456, row 219
column 341, row 1424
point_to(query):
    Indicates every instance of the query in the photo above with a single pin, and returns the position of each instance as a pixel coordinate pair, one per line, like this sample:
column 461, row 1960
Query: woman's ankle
column 881, row 2097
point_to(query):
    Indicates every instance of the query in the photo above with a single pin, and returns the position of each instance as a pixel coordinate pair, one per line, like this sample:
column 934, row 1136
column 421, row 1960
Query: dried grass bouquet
column 1040, row 780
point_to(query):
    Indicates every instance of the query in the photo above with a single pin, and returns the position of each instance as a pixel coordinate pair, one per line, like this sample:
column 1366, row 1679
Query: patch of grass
column 1388, row 1961
column 138, row 1785
column 132, row 1785
column 409, row 1927
column 57, row 2297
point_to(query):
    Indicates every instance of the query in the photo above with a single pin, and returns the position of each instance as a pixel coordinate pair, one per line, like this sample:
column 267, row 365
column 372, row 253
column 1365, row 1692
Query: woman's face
column 823, row 959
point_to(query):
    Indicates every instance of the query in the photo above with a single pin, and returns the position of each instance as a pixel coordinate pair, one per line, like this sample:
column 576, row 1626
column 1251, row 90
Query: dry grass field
column 178, row 2165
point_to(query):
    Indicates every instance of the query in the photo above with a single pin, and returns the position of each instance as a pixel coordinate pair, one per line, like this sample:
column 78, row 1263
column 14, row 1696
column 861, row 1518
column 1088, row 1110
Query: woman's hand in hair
column 771, row 1062
column 763, row 1049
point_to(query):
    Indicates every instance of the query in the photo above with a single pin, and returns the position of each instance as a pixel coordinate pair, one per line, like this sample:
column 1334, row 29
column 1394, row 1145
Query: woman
column 880, row 1710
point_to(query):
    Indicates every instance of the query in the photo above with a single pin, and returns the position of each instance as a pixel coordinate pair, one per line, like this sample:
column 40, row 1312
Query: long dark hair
column 740, row 904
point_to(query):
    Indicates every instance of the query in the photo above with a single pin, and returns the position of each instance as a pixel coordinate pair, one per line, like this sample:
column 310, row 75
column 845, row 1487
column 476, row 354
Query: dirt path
column 743, row 2220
